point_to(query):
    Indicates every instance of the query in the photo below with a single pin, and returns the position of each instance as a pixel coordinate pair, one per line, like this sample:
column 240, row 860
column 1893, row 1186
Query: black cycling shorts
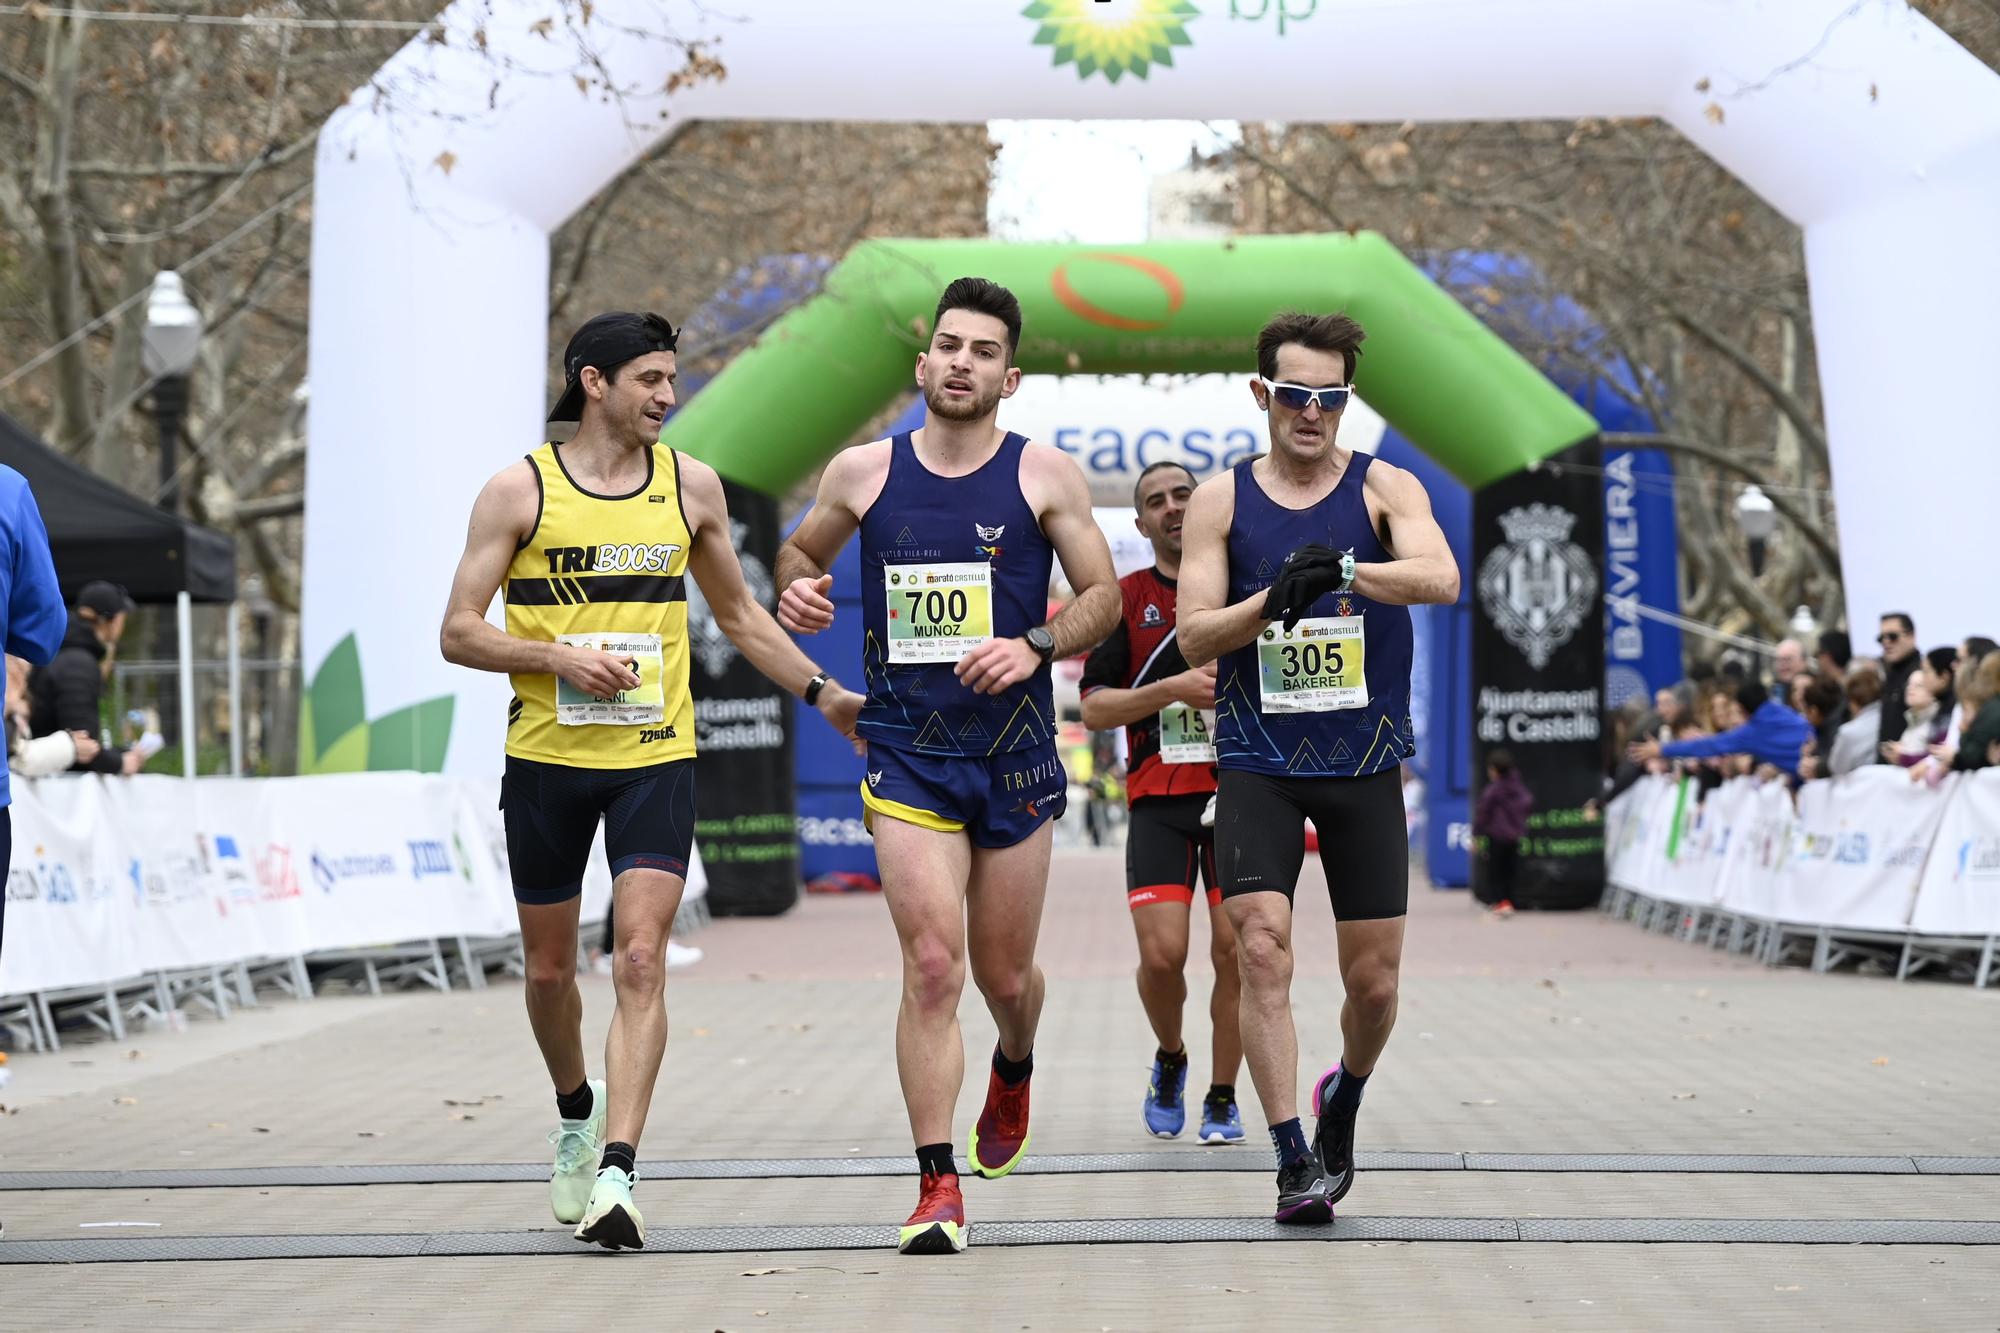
column 551, row 812
column 1260, row 838
column 1167, row 849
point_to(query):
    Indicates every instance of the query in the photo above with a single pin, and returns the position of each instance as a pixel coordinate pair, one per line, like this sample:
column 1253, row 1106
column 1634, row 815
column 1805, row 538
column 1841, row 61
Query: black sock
column 619, row 1155
column 1346, row 1090
column 1171, row 1061
column 1013, row 1072
column 1290, row 1141
column 575, row 1105
column 1220, row 1093
column 934, row 1159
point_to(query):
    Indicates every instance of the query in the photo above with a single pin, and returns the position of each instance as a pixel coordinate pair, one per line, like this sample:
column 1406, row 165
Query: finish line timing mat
column 1106, row 1231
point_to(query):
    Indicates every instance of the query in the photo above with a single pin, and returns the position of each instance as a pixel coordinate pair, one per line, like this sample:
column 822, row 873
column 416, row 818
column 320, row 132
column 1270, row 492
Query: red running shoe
column 1000, row 1140
column 938, row 1226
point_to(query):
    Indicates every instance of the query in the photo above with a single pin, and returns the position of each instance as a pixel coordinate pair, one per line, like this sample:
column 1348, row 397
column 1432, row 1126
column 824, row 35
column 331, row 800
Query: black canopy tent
column 99, row 531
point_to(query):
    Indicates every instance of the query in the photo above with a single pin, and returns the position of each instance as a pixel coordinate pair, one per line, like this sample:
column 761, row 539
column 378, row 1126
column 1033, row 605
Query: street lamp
column 168, row 351
column 1758, row 518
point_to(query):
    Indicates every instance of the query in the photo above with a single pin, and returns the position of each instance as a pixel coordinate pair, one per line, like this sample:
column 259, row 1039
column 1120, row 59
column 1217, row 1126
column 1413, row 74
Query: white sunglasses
column 1331, row 398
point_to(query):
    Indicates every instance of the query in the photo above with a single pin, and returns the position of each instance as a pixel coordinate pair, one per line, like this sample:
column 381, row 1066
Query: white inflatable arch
column 438, row 187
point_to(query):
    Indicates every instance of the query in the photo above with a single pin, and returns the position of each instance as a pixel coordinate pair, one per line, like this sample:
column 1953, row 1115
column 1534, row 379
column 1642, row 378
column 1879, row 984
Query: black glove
column 1308, row 574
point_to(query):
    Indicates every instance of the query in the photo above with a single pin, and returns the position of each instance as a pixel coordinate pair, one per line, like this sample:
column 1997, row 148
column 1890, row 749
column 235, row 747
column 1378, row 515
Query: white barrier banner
column 1759, row 841
column 1638, row 849
column 1858, row 850
column 114, row 878
column 1694, row 872
column 1960, row 892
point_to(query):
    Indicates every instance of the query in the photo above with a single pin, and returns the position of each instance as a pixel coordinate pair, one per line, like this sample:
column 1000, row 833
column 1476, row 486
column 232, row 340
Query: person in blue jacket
column 1774, row 735
column 32, row 620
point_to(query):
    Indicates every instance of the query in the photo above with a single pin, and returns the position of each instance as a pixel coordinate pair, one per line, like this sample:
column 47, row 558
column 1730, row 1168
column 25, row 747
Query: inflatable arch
column 1440, row 376
column 439, row 184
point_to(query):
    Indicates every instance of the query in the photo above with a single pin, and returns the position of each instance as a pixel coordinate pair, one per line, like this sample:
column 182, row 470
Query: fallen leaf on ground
column 218, row 1124
column 260, row 1129
column 135, row 1055
column 367, row 1134
column 1683, row 1096
column 124, row 1101
column 1879, row 1060
column 462, row 1115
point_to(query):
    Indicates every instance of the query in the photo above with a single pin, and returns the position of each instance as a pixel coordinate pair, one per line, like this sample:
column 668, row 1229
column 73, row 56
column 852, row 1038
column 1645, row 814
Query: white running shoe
column 578, row 1143
column 613, row 1220
column 681, row 955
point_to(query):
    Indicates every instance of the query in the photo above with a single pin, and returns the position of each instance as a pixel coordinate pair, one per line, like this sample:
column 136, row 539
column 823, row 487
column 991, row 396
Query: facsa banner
column 1117, row 426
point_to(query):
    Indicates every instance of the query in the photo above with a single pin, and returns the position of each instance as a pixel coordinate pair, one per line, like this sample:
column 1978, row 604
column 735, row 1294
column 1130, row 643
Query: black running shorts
column 551, row 812
column 1167, row 850
column 1260, row 838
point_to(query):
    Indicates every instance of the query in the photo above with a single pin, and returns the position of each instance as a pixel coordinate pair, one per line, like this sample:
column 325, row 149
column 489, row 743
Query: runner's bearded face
column 635, row 404
column 965, row 372
column 1163, row 502
column 1304, row 435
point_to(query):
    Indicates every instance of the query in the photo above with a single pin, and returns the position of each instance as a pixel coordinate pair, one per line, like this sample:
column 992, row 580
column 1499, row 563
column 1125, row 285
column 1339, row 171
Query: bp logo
column 1113, row 39
column 1538, row 585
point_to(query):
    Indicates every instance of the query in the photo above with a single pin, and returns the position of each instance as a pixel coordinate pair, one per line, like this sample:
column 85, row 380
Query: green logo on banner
column 1132, row 39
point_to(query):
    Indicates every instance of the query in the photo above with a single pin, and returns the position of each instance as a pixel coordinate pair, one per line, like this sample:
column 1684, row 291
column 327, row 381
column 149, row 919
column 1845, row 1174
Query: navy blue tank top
column 928, row 545
column 1344, row 742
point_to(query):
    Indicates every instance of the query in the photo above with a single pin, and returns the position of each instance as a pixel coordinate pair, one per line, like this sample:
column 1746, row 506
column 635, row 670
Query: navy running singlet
column 946, row 563
column 1330, row 698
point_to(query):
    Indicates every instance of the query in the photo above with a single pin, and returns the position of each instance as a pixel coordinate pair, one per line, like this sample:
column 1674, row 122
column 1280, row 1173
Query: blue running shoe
column 1221, row 1122
column 1166, row 1106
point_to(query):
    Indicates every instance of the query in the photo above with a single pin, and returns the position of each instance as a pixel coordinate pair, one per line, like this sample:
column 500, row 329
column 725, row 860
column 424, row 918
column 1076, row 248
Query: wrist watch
column 813, row 687
column 1346, row 572
column 1043, row 642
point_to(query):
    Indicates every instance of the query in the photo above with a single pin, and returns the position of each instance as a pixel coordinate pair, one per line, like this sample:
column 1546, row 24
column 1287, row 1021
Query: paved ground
column 1553, row 1034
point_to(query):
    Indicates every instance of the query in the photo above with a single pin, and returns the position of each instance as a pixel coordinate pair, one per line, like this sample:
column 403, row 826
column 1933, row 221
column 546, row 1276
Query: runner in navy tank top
column 959, row 526
column 1297, row 574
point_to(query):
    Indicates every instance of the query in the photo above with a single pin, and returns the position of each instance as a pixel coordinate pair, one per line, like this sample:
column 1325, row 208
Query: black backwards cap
column 608, row 342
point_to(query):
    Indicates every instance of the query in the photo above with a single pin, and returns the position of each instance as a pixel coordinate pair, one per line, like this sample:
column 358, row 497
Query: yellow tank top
column 607, row 571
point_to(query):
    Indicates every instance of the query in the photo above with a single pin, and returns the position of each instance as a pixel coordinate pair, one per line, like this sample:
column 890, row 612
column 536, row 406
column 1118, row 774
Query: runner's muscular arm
column 1065, row 518
column 1208, row 629
column 849, row 485
column 1422, row 571
column 719, row 574
column 503, row 517
column 1113, row 707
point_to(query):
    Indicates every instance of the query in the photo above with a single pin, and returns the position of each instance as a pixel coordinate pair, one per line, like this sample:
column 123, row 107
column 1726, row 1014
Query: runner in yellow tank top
column 592, row 542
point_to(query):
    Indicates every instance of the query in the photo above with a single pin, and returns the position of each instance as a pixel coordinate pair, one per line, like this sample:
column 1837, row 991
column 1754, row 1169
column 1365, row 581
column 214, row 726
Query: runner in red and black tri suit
column 1138, row 679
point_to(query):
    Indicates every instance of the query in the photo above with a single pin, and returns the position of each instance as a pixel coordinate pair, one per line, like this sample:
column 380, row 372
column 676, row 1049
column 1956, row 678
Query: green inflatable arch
column 822, row 372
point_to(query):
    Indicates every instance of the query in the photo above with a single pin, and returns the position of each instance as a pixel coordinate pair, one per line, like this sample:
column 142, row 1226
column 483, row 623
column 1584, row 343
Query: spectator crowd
column 1931, row 712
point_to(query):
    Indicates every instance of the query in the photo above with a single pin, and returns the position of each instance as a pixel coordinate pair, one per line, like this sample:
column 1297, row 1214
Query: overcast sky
column 1065, row 180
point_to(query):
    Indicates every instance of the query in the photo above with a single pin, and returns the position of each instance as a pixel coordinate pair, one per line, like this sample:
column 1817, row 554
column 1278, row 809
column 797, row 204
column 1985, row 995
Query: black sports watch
column 1042, row 642
column 813, row 687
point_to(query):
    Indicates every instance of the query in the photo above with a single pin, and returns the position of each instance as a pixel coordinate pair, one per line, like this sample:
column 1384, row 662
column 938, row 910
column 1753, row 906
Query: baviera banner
column 1538, row 664
column 746, row 821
